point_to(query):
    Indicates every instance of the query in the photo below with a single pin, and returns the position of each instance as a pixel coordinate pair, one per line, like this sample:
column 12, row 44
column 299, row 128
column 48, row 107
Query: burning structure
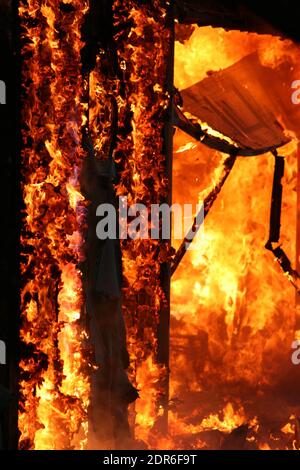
column 142, row 343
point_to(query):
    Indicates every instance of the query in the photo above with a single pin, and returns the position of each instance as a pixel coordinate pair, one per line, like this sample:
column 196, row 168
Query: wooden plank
column 234, row 103
column 164, row 320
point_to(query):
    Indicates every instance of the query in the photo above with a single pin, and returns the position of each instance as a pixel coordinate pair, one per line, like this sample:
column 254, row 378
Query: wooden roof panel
column 234, row 102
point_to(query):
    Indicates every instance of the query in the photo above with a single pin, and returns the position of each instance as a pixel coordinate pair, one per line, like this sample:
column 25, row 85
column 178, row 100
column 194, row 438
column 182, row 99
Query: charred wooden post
column 164, row 318
column 143, row 157
column 111, row 391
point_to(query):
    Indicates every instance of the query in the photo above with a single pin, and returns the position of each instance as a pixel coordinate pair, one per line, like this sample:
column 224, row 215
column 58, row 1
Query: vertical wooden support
column 164, row 320
column 298, row 236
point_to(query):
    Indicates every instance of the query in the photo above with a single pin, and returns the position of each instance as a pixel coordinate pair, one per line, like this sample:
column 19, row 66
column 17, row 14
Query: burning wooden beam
column 54, row 383
column 144, row 41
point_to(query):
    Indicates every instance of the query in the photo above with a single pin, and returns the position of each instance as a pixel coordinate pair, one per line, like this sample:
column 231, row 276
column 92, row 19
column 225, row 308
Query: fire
column 54, row 377
column 233, row 312
column 142, row 51
column 227, row 423
column 148, row 410
column 211, row 49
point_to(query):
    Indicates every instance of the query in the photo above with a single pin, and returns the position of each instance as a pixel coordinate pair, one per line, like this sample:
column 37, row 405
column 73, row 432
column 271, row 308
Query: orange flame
column 142, row 51
column 233, row 313
column 54, row 378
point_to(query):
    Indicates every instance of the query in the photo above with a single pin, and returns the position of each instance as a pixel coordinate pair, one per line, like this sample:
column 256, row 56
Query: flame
column 188, row 146
column 54, row 376
column 233, row 312
column 142, row 51
column 212, row 49
column 230, row 420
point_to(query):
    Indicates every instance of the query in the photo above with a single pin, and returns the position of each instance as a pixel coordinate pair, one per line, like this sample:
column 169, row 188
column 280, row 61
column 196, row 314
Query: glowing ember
column 54, row 381
column 142, row 44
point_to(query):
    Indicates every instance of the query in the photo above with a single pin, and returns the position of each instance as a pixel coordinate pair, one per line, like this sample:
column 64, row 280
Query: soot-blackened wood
column 164, row 320
column 111, row 390
column 97, row 33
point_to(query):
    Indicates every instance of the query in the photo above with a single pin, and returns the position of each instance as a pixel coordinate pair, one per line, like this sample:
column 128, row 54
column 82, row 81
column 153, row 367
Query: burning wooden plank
column 234, row 102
